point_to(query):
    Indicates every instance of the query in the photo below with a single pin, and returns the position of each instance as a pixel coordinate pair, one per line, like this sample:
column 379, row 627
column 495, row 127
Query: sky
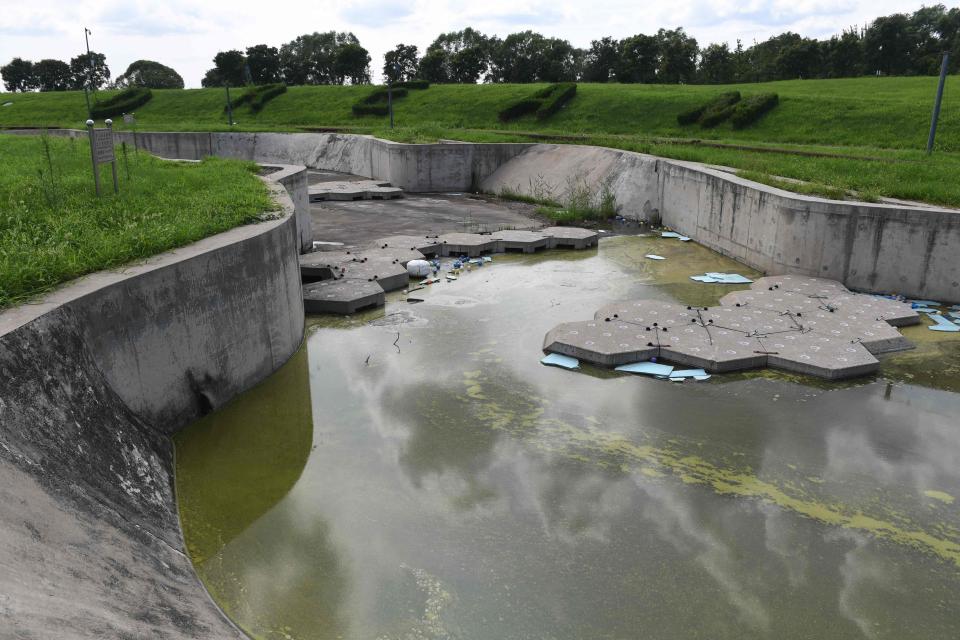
column 186, row 34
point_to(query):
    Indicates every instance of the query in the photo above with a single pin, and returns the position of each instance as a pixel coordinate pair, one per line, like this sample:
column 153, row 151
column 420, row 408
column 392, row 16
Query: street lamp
column 86, row 87
column 395, row 68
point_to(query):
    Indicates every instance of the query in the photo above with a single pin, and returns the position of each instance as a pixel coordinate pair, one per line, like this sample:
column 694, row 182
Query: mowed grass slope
column 53, row 230
column 890, row 113
column 878, row 126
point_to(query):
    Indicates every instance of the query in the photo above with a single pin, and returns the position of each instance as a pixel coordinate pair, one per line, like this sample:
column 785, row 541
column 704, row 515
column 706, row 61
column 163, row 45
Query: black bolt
column 606, row 319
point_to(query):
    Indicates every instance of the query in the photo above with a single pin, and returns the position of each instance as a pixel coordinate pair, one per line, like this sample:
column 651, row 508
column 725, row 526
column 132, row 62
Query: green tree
column 401, row 63
column 800, row 59
column 150, row 74
column 843, row 55
column 52, row 75
column 18, row 75
column 678, row 56
column 89, row 70
column 888, row 44
column 264, row 64
column 433, row 67
column 601, row 60
column 228, row 67
column 637, row 59
column 458, row 56
column 312, row 57
column 717, row 64
column 352, row 62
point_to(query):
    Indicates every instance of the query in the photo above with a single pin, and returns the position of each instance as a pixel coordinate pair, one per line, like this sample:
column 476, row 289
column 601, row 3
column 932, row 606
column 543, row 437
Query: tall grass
column 53, row 227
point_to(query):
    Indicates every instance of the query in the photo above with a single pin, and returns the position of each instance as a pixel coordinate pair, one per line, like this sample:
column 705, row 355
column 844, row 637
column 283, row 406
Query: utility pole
column 395, row 68
column 86, row 36
column 229, row 104
column 936, row 104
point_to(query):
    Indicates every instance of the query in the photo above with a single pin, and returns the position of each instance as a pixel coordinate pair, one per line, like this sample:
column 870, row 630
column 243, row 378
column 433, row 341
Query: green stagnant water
column 447, row 485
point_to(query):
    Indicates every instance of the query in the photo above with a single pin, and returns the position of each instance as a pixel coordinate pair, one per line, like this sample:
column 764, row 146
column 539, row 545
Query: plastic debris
column 647, row 368
column 684, row 374
column 654, row 257
column 557, row 360
column 955, row 315
column 418, row 268
column 722, row 278
column 669, row 234
column 916, row 304
column 942, row 324
column 430, row 281
column 487, row 259
column 450, row 277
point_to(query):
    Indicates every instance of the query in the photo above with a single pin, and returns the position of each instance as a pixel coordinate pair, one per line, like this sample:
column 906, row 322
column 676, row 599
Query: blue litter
column 557, row 360
column 669, row 234
column 955, row 315
column 942, row 324
column 654, row 257
column 487, row 259
column 923, row 303
column 722, row 278
column 648, row 368
column 926, row 310
column 683, row 374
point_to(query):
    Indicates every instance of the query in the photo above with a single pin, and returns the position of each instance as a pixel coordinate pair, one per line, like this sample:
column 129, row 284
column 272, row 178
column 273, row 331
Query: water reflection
column 458, row 489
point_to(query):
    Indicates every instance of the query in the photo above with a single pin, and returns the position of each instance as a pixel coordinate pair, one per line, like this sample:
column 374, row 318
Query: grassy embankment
column 865, row 134
column 53, row 228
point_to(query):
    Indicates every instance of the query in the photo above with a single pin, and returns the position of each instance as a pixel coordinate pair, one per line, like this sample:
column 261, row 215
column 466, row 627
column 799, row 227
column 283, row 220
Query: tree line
column 898, row 44
column 85, row 70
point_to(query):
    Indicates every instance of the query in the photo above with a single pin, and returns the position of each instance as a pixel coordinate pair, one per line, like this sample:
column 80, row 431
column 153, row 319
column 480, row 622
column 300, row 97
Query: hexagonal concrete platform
column 384, row 263
column 353, row 190
column 806, row 325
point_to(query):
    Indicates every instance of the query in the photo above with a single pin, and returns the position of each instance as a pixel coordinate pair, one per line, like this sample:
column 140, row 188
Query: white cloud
column 186, row 35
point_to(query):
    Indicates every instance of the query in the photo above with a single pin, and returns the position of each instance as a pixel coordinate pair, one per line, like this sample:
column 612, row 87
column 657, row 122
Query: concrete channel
column 99, row 374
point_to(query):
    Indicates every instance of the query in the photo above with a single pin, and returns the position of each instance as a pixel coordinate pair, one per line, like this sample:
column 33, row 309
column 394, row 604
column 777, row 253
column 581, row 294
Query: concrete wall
column 884, row 248
column 93, row 378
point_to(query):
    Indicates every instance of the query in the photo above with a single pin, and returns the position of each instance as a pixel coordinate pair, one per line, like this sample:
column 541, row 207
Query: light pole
column 395, row 68
column 226, row 86
column 86, row 86
column 86, row 36
column 936, row 103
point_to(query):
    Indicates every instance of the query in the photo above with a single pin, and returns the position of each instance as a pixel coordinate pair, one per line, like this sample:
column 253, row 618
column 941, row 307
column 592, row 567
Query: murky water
column 447, row 485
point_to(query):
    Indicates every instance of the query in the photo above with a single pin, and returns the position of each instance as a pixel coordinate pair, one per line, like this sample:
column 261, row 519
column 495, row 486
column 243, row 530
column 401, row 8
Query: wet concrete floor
column 414, row 472
column 362, row 221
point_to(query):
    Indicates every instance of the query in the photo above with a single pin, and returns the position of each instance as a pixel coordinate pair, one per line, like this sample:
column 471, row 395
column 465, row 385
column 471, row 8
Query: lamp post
column 936, row 103
column 229, row 104
column 86, row 36
column 395, row 68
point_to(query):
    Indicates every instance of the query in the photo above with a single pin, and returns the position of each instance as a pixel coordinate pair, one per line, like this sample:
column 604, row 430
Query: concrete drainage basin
column 415, row 472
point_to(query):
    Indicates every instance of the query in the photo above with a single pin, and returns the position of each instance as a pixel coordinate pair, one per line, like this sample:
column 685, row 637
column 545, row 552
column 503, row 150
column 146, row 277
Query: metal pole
column 93, row 157
column 390, row 100
column 113, row 163
column 936, row 104
column 86, row 37
column 86, row 95
column 229, row 106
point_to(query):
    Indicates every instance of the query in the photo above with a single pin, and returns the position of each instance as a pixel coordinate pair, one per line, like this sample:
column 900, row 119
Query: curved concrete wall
column 884, row 248
column 93, row 379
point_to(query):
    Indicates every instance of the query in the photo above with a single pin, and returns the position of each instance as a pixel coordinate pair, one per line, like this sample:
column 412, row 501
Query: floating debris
column 685, row 374
column 942, row 324
column 722, row 278
column 558, row 360
column 674, row 234
column 647, row 368
column 654, row 257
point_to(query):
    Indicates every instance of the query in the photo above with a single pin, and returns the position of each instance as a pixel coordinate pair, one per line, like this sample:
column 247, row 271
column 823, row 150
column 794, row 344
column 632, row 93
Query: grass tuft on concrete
column 53, row 228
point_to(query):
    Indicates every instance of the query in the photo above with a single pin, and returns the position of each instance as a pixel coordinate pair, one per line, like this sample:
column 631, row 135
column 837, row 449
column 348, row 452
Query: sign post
column 101, row 152
column 936, row 103
column 130, row 120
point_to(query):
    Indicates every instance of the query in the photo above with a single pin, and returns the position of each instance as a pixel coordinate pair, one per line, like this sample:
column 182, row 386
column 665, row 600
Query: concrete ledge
column 881, row 248
column 95, row 376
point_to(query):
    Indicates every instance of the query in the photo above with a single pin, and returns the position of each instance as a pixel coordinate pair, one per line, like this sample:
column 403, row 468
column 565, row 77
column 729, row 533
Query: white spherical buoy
column 420, row 268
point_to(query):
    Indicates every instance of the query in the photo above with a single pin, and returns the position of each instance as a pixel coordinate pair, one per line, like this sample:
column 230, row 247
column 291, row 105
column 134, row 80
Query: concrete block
column 341, row 297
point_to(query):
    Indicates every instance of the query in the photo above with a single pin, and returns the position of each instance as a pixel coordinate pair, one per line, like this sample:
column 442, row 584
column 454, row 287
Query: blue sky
column 185, row 34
